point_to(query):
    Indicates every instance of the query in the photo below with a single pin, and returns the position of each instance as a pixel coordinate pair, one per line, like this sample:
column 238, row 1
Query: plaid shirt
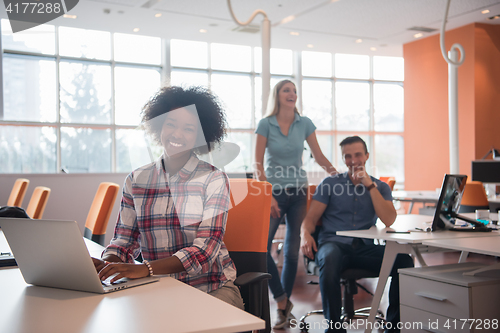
column 183, row 215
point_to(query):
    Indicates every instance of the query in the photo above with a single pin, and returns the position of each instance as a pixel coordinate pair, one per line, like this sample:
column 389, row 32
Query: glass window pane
column 258, row 94
column 281, row 61
column 138, row 49
column 85, row 92
column 388, row 100
column 189, row 78
column 90, row 44
column 236, row 94
column 186, row 53
column 388, row 68
column 389, row 155
column 40, row 39
column 325, row 143
column 85, row 150
column 352, row 101
column 316, row 64
column 352, row 66
column 133, row 88
column 27, row 149
column 243, row 162
column 340, row 159
column 29, row 85
column 231, row 57
column 317, row 102
column 132, row 150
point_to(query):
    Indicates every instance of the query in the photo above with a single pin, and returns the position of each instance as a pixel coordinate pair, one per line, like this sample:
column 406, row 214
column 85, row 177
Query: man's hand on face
column 361, row 176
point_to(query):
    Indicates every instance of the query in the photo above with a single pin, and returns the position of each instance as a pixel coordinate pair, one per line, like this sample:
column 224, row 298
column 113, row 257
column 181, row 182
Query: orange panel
column 247, row 227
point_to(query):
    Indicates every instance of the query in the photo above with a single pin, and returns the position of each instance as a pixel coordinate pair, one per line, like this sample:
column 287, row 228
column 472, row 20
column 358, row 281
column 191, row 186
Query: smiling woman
column 174, row 210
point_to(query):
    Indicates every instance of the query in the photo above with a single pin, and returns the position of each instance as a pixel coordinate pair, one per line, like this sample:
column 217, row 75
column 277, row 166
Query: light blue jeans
column 292, row 204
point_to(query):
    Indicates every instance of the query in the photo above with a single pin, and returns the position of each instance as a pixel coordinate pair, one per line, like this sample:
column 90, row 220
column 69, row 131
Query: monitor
column 449, row 203
column 486, row 171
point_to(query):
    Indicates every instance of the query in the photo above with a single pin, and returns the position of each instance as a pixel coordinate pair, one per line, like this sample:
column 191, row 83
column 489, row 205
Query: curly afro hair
column 210, row 112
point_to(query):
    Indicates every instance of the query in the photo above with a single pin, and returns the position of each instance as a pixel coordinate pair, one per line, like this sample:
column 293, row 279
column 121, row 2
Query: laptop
column 6, row 257
column 448, row 206
column 52, row 253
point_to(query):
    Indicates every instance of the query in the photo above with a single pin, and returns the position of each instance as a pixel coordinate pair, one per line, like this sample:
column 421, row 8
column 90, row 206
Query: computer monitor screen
column 449, row 202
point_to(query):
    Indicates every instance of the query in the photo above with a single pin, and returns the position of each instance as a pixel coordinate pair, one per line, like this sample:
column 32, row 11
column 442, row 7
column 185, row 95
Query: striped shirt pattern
column 183, row 215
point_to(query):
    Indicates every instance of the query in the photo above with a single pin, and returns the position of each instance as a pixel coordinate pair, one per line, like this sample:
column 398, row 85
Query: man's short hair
column 353, row 139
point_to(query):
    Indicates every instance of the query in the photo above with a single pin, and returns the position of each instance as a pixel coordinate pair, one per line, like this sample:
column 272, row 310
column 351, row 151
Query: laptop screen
column 449, row 201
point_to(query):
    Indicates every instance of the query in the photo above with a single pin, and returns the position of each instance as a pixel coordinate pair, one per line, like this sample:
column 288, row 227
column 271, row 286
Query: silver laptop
column 52, row 253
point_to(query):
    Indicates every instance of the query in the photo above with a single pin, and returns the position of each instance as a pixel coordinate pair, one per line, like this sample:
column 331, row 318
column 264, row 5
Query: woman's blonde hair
column 273, row 106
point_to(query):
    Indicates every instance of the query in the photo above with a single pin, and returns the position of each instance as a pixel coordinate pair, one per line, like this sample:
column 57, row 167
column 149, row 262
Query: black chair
column 348, row 281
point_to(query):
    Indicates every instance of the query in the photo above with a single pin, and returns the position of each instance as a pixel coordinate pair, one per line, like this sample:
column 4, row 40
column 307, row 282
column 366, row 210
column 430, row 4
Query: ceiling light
column 418, row 35
column 373, row 48
column 136, row 29
column 294, row 33
column 69, row 16
column 494, row 17
column 203, row 31
column 287, row 19
column 158, row 15
column 486, row 11
column 310, row 46
column 359, row 40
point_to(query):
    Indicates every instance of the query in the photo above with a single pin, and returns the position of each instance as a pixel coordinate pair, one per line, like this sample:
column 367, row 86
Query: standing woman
column 280, row 137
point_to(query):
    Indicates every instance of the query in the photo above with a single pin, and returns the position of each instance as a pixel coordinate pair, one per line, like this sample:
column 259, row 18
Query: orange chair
column 246, row 236
column 100, row 211
column 18, row 191
column 391, row 181
column 38, row 201
column 310, row 192
column 474, row 197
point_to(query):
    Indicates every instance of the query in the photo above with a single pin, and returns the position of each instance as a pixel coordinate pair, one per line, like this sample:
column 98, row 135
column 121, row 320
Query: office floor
column 306, row 297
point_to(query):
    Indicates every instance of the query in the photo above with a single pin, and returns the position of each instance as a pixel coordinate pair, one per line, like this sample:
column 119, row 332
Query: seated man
column 350, row 201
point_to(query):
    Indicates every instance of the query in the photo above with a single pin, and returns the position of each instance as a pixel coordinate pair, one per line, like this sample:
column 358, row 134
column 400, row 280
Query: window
column 75, row 105
column 100, row 98
column 359, row 104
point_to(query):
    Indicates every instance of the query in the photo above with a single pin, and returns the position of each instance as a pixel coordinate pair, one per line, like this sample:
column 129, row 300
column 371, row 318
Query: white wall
column 70, row 197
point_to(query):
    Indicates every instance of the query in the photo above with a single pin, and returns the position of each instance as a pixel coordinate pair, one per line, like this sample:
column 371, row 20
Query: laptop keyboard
column 107, row 282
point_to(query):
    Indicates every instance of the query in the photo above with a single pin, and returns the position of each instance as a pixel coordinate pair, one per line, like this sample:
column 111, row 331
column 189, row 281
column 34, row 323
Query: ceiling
column 331, row 26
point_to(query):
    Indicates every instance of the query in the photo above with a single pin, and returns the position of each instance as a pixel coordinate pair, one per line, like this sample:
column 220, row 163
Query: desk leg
column 411, row 207
column 418, row 255
column 391, row 251
column 463, row 256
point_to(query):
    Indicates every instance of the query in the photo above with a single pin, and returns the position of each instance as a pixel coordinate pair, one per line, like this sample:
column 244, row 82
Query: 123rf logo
column 25, row 14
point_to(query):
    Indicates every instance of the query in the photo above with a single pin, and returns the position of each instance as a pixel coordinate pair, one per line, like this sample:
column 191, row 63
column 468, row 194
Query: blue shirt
column 349, row 207
column 283, row 162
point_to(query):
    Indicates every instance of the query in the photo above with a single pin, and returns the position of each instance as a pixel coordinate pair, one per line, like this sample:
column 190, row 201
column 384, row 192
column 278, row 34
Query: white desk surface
column 410, row 222
column 489, row 246
column 165, row 306
column 415, row 195
column 407, row 243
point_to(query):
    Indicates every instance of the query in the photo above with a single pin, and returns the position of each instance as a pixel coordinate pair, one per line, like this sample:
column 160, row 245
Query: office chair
column 17, row 193
column 391, row 181
column 474, row 197
column 100, row 210
column 246, row 240
column 348, row 282
column 38, row 201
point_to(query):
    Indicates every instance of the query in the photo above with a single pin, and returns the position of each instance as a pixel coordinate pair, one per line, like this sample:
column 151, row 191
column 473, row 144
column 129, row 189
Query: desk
column 416, row 196
column 165, row 306
column 489, row 246
column 426, row 197
column 404, row 243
